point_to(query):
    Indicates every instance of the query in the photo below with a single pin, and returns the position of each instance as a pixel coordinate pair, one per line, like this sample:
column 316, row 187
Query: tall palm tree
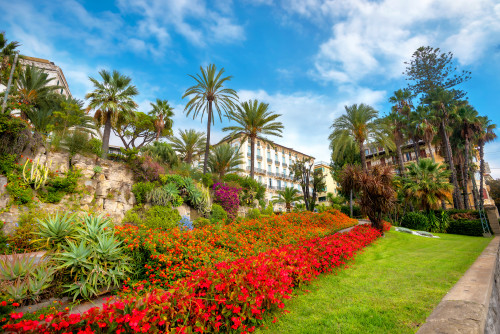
column 287, row 196
column 359, row 124
column 468, row 125
column 426, row 184
column 189, row 144
column 7, row 50
column 32, row 86
column 441, row 100
column 485, row 135
column 209, row 92
column 403, row 106
column 423, row 120
column 254, row 119
column 163, row 113
column 111, row 98
column 224, row 159
column 396, row 124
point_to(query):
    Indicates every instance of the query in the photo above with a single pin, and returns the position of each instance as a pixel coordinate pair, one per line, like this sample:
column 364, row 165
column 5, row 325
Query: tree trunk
column 400, row 159
column 456, row 195
column 105, row 136
column 465, row 174
column 430, row 151
column 481, row 174
column 465, row 193
column 415, row 148
column 350, row 202
column 207, row 146
column 474, row 190
column 252, row 156
column 363, row 156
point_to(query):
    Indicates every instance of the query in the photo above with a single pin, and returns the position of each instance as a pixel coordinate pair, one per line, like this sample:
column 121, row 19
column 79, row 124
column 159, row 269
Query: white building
column 272, row 166
column 51, row 69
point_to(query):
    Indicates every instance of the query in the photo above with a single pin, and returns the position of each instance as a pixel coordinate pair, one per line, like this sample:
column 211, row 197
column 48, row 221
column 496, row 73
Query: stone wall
column 108, row 192
column 472, row 305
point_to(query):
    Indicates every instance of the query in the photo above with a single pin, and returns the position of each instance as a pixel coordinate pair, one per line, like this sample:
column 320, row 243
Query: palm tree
column 207, row 93
column 423, row 120
column 427, row 184
column 33, row 85
column 468, row 125
column 163, row 113
column 441, row 100
column 224, row 159
column 189, row 144
column 287, row 196
column 485, row 135
column 403, row 106
column 396, row 124
column 111, row 98
column 162, row 153
column 254, row 119
column 359, row 125
column 7, row 50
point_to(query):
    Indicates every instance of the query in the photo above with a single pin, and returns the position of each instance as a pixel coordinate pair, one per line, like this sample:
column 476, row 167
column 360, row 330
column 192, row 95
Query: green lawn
column 391, row 288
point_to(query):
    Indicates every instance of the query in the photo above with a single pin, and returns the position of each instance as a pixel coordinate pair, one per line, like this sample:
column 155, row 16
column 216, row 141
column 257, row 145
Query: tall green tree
column 359, row 124
column 254, row 119
column 7, row 51
column 224, row 159
column 427, row 184
column 403, row 106
column 424, row 122
column 442, row 102
column 210, row 92
column 467, row 125
column 162, row 152
column 189, row 144
column 485, row 135
column 430, row 69
column 138, row 129
column 111, row 97
column 311, row 181
column 287, row 196
column 163, row 114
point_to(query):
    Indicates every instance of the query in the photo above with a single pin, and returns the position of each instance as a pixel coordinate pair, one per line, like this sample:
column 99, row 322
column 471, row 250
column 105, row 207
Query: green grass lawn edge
column 390, row 287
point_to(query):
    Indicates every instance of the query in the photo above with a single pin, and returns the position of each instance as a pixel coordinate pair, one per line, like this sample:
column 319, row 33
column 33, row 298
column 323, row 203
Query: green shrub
column 161, row 217
column 140, row 189
column 20, row 192
column 7, row 163
column 95, row 146
column 465, row 227
column 253, row 214
column 356, row 211
column 415, row 221
column 207, row 180
column 59, row 186
column 132, row 216
column 269, row 211
column 165, row 196
column 173, row 178
column 218, row 214
column 438, row 221
column 201, row 222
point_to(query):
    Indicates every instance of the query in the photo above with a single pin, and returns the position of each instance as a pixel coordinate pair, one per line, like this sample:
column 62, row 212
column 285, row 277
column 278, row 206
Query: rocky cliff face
column 108, row 192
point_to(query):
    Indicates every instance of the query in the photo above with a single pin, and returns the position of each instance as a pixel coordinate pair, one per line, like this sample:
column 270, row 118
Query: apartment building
column 331, row 184
column 272, row 165
column 51, row 69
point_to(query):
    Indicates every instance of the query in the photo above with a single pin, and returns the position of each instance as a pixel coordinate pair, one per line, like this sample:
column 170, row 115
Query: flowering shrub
column 162, row 257
column 231, row 297
column 228, row 198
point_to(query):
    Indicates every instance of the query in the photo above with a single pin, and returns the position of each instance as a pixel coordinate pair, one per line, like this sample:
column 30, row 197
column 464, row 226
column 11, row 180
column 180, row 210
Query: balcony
column 260, row 171
column 270, row 173
column 259, row 157
column 277, row 163
column 269, row 160
column 285, row 164
column 249, row 154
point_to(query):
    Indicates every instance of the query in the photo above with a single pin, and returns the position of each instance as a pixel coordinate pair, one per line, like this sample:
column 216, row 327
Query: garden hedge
column 465, row 227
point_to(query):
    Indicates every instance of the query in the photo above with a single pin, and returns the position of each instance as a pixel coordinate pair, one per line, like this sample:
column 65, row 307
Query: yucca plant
column 57, row 230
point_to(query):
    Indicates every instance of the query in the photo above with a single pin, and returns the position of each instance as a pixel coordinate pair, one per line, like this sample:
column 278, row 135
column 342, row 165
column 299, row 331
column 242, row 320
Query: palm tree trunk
column 430, row 151
column 207, row 146
column 464, row 188
column 252, row 156
column 415, row 148
column 465, row 173
column 474, row 190
column 457, row 198
column 363, row 156
column 105, row 136
column 400, row 159
column 350, row 201
column 481, row 174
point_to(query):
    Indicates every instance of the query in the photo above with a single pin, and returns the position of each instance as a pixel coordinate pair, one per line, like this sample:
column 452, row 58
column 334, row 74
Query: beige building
column 331, row 185
column 51, row 69
column 272, row 166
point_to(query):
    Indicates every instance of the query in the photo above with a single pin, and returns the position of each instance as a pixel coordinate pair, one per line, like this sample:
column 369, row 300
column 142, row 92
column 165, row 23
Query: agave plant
column 40, row 280
column 17, row 290
column 94, row 226
column 16, row 266
column 205, row 205
column 57, row 230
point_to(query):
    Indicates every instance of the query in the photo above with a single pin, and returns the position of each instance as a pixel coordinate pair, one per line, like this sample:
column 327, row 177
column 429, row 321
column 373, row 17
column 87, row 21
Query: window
column 260, row 179
column 270, row 182
column 277, row 170
column 276, row 157
column 284, row 171
column 258, row 151
column 408, row 156
column 279, row 183
column 249, row 163
column 283, row 152
column 269, row 154
column 269, row 168
column 259, row 165
column 367, row 152
column 286, row 184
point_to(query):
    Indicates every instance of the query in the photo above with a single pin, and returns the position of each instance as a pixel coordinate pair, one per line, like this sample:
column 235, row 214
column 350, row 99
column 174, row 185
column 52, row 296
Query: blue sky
column 307, row 58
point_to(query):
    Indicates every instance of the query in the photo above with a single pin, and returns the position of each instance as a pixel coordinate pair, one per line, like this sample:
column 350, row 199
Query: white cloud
column 375, row 38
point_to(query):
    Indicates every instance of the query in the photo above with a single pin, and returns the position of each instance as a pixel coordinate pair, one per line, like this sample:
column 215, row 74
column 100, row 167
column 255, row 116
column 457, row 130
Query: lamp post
column 9, row 83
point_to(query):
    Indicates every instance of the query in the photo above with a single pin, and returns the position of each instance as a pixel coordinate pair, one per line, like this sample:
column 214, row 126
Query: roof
column 288, row 148
column 40, row 60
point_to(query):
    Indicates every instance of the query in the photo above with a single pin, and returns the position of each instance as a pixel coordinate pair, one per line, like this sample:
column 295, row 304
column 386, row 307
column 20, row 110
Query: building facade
column 272, row 166
column 331, row 184
column 51, row 69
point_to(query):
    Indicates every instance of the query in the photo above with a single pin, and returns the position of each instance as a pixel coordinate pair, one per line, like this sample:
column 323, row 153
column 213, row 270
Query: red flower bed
column 169, row 256
column 230, row 297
